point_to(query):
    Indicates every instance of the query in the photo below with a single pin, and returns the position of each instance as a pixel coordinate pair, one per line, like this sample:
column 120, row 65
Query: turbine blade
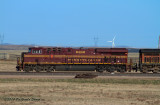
column 109, row 41
column 114, row 37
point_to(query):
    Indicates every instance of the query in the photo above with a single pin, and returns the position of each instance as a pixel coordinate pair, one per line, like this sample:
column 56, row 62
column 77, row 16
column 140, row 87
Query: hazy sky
column 135, row 23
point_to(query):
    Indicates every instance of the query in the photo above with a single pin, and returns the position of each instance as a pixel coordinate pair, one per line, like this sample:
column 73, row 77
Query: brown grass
column 67, row 93
column 8, row 65
column 16, row 52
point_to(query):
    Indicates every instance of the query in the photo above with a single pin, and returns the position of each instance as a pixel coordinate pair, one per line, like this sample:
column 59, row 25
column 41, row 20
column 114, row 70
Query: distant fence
column 13, row 56
column 4, row 56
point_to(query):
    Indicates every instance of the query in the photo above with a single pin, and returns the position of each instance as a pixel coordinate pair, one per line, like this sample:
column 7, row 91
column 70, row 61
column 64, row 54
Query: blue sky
column 136, row 23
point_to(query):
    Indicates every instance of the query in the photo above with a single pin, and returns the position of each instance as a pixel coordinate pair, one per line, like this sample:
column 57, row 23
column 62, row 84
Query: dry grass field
column 8, row 65
column 43, row 91
column 16, row 52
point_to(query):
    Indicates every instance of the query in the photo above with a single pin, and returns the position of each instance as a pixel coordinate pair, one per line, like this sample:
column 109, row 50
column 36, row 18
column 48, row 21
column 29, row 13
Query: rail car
column 149, row 60
column 57, row 58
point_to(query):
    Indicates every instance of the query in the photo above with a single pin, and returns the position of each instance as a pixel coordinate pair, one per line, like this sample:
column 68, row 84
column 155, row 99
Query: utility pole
column 159, row 42
column 1, row 40
column 95, row 41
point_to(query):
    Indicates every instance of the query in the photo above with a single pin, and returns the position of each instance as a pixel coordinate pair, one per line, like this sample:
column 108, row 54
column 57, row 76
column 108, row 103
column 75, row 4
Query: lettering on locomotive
column 84, row 60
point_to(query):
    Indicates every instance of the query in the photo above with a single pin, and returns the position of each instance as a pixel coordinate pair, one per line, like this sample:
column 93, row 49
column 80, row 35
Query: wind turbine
column 113, row 44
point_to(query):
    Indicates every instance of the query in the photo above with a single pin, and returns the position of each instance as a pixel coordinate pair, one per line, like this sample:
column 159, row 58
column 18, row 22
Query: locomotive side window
column 149, row 59
column 48, row 50
column 59, row 49
column 155, row 59
column 29, row 50
column 36, row 51
column 40, row 51
column 54, row 49
column 33, row 51
column 145, row 59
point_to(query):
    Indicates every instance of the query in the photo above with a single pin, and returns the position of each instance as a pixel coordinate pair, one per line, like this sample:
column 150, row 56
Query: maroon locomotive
column 149, row 60
column 53, row 59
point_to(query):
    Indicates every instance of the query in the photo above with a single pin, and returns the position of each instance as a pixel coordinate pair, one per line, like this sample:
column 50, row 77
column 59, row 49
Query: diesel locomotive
column 58, row 58
column 50, row 59
column 149, row 60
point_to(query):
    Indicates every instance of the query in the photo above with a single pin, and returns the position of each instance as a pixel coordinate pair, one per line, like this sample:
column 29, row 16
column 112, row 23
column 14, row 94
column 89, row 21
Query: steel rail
column 74, row 73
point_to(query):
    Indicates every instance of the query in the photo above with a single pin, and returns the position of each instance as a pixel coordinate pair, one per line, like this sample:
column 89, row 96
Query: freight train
column 97, row 59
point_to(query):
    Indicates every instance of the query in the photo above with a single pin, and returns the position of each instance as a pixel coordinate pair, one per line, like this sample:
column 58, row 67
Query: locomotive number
column 80, row 52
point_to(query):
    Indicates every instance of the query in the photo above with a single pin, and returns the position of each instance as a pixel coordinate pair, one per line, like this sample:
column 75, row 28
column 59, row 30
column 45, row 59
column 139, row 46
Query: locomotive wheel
column 37, row 69
column 27, row 68
column 144, row 72
column 48, row 70
column 101, row 69
column 111, row 69
column 122, row 70
column 144, row 69
column 154, row 71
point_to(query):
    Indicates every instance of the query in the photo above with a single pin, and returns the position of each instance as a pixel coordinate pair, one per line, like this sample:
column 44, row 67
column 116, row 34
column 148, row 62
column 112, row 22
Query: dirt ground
column 67, row 93
column 7, row 65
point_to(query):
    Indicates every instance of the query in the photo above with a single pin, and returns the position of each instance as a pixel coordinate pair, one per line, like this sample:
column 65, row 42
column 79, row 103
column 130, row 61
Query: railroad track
column 74, row 73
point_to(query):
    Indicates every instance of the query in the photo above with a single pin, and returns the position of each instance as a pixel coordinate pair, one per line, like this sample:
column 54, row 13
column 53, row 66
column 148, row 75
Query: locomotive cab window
column 29, row 50
column 145, row 59
column 36, row 51
column 59, row 49
column 48, row 50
